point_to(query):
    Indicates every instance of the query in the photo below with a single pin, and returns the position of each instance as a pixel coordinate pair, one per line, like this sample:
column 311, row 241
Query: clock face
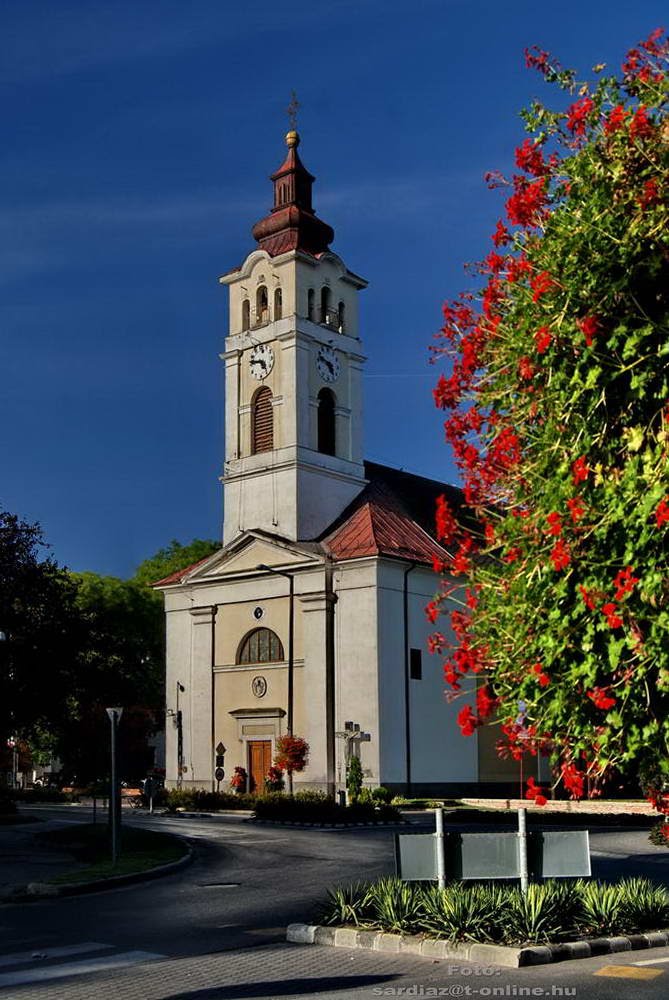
column 327, row 364
column 261, row 361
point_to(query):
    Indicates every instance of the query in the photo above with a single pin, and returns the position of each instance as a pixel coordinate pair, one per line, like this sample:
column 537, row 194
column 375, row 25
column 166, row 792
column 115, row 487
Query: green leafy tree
column 42, row 629
column 558, row 397
column 354, row 777
column 174, row 557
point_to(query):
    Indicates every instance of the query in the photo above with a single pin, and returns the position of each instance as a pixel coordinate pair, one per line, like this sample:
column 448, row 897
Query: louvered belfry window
column 262, row 421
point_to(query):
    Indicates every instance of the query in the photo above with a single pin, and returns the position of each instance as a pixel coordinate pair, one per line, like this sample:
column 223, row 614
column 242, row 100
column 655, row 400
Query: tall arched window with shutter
column 278, row 303
column 262, row 421
column 262, row 309
column 325, row 304
column 246, row 315
column 326, row 422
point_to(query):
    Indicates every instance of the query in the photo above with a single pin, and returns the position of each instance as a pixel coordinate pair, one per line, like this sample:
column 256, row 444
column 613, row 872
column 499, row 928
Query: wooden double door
column 260, row 761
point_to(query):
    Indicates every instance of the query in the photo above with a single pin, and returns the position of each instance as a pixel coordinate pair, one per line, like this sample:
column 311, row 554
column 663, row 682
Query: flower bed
column 316, row 807
column 500, row 914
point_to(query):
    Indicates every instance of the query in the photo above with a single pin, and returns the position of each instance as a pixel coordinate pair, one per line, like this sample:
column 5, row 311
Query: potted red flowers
column 292, row 754
column 239, row 779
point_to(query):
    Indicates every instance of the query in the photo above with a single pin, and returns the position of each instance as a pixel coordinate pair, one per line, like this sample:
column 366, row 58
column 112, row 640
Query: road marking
column 653, row 961
column 43, row 974
column 628, row 972
column 18, row 957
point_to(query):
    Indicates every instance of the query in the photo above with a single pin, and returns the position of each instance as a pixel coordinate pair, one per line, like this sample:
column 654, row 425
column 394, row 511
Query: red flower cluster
column 560, row 556
column 526, row 205
column 467, row 721
column 501, row 236
column 447, row 526
column 613, row 619
column 526, row 369
column 292, row 753
column 590, row 326
column 542, row 677
column 542, row 339
column 535, row 793
column 580, row 470
column 554, row 525
column 577, row 115
column 572, row 779
column 615, row 119
column 640, row 127
column 601, row 698
column 541, row 284
column 486, row 703
column 588, row 598
column 650, row 194
column 536, row 58
column 662, row 512
column 530, row 159
column 576, row 509
column 624, row 582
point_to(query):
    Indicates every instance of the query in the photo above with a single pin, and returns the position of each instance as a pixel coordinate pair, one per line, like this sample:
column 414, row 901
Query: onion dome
column 292, row 223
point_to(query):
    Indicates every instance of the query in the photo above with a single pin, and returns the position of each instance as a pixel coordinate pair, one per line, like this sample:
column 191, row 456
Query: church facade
column 310, row 619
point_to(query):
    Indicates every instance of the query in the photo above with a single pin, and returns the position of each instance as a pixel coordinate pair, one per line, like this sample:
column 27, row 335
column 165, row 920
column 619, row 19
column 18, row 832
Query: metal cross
column 291, row 110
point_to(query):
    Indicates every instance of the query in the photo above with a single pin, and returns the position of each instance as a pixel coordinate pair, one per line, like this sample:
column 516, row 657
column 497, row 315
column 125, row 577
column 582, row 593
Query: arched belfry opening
column 246, row 315
column 262, row 308
column 326, row 422
column 325, row 303
column 278, row 303
column 262, row 421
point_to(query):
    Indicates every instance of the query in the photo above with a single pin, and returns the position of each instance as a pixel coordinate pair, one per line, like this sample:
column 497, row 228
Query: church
column 310, row 620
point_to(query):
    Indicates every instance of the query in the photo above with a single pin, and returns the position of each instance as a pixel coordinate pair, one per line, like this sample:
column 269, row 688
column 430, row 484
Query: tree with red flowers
column 557, row 394
column 292, row 755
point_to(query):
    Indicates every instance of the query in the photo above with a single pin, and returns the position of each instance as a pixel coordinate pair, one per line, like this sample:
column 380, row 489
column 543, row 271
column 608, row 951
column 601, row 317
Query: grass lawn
column 140, row 850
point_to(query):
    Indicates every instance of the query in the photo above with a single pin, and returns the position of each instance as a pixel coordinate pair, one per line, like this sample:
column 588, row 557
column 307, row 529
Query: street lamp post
column 180, row 737
column 114, row 803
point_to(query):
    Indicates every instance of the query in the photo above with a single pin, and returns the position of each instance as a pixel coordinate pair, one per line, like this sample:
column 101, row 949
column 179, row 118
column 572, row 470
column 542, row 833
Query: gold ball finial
column 292, row 139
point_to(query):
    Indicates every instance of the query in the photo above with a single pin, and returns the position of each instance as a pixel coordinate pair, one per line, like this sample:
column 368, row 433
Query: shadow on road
column 310, row 987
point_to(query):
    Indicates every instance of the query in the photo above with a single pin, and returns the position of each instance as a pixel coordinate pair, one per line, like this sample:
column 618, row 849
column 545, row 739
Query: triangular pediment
column 250, row 550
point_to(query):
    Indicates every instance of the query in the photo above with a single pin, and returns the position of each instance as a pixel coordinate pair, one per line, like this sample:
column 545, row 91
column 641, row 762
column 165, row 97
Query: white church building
column 310, row 619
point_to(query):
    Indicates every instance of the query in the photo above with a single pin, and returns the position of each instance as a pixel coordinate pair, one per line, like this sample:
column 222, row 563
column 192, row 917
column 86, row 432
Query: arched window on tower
column 341, row 317
column 278, row 303
column 246, row 314
column 262, row 310
column 261, row 645
column 326, row 422
column 325, row 304
column 310, row 304
column 262, row 421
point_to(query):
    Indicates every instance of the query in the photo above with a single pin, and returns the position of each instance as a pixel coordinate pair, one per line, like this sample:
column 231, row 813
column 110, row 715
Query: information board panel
column 482, row 855
column 416, row 856
column 559, row 854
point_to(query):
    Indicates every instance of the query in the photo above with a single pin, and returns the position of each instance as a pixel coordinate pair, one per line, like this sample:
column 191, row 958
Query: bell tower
column 293, row 372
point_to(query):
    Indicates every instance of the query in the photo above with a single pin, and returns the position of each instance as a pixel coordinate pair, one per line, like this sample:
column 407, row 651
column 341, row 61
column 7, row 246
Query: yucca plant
column 543, row 913
column 346, row 905
column 644, row 906
column 396, row 906
column 601, row 907
column 463, row 913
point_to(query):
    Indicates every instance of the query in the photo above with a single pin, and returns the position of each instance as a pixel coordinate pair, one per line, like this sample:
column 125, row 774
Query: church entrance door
column 260, row 761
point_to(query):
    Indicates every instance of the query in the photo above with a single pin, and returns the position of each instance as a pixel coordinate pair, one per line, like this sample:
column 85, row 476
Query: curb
column 331, row 826
column 484, row 954
column 44, row 890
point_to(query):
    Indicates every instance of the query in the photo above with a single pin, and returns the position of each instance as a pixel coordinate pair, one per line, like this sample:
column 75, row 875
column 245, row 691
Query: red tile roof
column 179, row 575
column 381, row 521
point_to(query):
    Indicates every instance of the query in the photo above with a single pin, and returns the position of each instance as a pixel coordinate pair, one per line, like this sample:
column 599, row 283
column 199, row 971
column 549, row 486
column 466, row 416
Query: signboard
column 416, row 856
column 219, row 773
column 559, row 854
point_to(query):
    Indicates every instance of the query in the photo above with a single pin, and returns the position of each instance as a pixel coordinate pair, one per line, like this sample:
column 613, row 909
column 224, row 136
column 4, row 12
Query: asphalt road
column 217, row 928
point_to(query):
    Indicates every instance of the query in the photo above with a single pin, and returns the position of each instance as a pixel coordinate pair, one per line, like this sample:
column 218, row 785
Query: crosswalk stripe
column 44, row 953
column 42, row 974
column 653, row 961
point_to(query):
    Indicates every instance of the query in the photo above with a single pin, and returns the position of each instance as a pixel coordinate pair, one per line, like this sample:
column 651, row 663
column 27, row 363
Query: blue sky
column 137, row 142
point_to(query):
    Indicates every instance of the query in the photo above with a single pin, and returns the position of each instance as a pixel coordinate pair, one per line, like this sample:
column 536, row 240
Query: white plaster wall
column 439, row 752
column 356, row 688
column 178, row 638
